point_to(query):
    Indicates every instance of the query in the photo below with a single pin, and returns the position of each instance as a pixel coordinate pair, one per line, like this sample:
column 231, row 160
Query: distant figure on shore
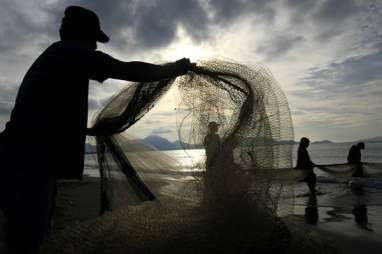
column 212, row 143
column 212, row 183
column 44, row 139
column 304, row 163
column 354, row 157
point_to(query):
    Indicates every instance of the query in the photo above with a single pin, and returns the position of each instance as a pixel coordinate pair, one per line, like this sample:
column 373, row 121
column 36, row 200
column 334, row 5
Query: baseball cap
column 84, row 20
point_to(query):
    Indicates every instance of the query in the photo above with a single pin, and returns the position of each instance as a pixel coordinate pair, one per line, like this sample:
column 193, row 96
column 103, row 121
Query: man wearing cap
column 45, row 136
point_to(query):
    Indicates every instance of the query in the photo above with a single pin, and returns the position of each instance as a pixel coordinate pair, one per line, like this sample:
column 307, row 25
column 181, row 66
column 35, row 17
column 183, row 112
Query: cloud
column 7, row 97
column 144, row 25
column 331, row 12
column 279, row 45
column 322, row 15
column 227, row 11
column 22, row 23
column 325, row 53
column 148, row 25
column 301, row 8
column 339, row 77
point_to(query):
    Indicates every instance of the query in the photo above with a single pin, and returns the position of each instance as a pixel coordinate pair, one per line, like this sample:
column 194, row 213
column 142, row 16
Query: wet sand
column 331, row 223
column 349, row 219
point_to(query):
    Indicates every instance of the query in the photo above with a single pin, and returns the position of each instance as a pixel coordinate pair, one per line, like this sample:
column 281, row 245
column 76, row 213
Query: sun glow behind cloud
column 185, row 46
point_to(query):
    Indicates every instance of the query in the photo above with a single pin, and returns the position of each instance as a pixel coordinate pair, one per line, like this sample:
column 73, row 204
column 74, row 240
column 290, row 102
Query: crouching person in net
column 45, row 136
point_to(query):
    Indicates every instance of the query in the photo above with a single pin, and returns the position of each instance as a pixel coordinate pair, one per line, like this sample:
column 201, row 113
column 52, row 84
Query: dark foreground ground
column 79, row 229
column 76, row 202
column 145, row 227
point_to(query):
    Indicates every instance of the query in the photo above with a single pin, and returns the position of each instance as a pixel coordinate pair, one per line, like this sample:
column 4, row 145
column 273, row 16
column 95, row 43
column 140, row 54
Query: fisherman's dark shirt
column 303, row 159
column 212, row 144
column 51, row 107
column 354, row 155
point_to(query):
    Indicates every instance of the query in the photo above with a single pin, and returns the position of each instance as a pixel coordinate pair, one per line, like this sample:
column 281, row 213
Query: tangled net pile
column 235, row 208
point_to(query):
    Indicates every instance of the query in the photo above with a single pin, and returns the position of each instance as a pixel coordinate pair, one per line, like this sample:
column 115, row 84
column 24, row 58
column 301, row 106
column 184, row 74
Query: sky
column 325, row 54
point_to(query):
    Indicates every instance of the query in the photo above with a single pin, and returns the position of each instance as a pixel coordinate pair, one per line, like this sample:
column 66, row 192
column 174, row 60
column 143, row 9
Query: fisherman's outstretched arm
column 146, row 72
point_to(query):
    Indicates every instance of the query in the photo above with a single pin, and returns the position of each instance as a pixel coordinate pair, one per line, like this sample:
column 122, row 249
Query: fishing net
column 371, row 169
column 237, row 198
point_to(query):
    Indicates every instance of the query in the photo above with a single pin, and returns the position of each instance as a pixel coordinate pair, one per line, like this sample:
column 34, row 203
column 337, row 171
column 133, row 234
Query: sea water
column 335, row 206
column 328, row 153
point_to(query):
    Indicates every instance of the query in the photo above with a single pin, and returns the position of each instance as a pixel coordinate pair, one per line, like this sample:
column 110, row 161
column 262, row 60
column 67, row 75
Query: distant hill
column 377, row 139
column 323, row 142
column 285, row 142
column 161, row 143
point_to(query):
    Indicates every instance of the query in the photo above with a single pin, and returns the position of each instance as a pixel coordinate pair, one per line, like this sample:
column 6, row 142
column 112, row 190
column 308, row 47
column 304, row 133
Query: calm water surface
column 337, row 207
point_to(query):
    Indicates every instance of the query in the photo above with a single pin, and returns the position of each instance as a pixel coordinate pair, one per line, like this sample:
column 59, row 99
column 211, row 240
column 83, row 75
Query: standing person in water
column 212, row 143
column 354, row 157
column 45, row 137
column 304, row 163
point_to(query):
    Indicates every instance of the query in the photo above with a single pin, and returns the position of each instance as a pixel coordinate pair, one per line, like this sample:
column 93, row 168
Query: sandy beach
column 326, row 224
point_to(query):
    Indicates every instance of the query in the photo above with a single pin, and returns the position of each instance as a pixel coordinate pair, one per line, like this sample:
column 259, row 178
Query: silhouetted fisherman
column 304, row 163
column 354, row 157
column 45, row 136
column 212, row 143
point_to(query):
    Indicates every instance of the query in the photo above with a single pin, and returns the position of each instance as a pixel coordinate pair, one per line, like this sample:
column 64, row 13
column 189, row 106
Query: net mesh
column 370, row 169
column 237, row 198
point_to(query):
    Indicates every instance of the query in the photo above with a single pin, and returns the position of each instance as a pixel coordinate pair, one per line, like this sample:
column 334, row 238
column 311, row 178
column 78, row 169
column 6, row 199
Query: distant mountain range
column 322, row 142
column 372, row 140
column 161, row 143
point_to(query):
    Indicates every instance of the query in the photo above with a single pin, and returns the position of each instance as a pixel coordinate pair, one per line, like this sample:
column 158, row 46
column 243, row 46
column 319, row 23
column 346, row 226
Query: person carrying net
column 45, row 136
column 211, row 143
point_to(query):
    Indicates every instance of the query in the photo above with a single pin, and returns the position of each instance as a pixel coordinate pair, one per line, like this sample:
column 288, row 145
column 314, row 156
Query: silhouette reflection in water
column 311, row 210
column 360, row 209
